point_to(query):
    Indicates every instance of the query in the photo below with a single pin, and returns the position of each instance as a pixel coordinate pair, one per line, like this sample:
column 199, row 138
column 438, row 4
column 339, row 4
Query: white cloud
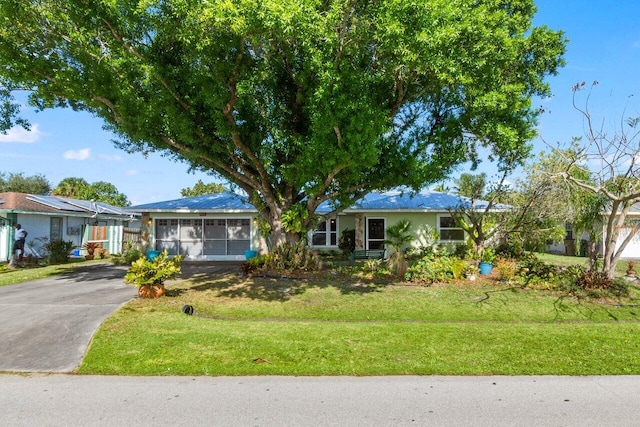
column 131, row 172
column 21, row 135
column 82, row 154
column 108, row 158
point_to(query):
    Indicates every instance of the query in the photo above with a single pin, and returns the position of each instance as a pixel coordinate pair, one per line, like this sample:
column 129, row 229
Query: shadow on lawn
column 272, row 287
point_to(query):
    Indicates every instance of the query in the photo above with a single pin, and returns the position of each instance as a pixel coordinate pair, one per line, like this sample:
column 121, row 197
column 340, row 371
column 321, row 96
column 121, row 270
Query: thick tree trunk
column 278, row 236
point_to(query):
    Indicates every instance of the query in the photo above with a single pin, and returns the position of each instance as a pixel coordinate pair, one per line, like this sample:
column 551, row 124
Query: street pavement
column 76, row 400
column 46, row 326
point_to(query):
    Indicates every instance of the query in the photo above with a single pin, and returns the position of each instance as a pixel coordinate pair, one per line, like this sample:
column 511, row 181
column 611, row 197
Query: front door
column 375, row 233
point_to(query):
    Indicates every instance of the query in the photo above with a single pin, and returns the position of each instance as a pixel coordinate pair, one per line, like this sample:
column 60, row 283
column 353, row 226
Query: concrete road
column 46, row 325
column 72, row 400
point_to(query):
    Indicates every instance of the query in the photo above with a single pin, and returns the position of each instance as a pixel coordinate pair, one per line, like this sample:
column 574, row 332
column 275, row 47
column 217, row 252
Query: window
column 448, row 230
column 569, row 230
column 326, row 233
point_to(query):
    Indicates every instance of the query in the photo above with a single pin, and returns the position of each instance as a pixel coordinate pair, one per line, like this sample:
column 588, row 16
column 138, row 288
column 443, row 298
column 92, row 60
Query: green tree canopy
column 200, row 188
column 100, row 191
column 295, row 102
column 18, row 182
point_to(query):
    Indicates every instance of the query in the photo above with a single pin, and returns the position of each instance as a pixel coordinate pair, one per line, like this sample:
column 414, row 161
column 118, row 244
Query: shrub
column 347, row 241
column 432, row 268
column 256, row 263
column 130, row 253
column 58, row 251
column 576, row 280
column 508, row 269
column 532, row 267
column 287, row 257
column 463, row 251
column 512, row 249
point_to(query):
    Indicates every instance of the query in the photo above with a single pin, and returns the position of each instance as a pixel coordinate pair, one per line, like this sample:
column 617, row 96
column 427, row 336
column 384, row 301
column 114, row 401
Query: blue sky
column 604, row 45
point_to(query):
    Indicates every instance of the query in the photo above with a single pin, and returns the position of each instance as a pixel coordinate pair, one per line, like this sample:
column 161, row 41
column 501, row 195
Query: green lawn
column 27, row 273
column 334, row 324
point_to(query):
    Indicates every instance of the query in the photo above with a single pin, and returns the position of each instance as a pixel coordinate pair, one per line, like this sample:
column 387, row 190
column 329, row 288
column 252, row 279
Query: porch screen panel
column 170, row 246
column 191, row 236
column 166, row 234
column 215, row 235
column 238, row 234
column 215, row 247
column 166, row 229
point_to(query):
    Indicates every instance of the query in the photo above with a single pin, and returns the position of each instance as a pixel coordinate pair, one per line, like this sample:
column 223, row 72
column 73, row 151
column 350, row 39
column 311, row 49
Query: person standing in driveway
column 20, row 238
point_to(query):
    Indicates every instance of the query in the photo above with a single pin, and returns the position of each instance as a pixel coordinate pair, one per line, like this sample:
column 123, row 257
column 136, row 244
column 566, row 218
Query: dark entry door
column 375, row 233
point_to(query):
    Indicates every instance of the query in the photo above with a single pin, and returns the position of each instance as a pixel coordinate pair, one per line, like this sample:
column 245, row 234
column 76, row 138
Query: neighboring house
column 222, row 226
column 632, row 250
column 50, row 218
column 578, row 245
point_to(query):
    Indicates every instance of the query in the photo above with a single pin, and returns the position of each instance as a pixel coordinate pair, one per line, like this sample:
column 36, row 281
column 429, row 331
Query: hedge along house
column 50, row 218
column 222, row 226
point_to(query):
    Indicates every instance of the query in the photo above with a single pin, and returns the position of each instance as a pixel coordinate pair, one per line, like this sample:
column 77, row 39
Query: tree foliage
column 18, row 182
column 295, row 102
column 200, row 188
column 99, row 191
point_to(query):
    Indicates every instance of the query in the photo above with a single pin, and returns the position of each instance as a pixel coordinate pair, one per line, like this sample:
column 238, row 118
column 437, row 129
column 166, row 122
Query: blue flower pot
column 250, row 254
column 151, row 255
column 485, row 268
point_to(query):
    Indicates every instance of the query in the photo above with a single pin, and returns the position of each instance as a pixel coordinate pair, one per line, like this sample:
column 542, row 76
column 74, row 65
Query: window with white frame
column 449, row 230
column 325, row 234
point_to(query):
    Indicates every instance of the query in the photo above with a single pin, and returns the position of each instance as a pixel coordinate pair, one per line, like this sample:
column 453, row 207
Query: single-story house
column 221, row 226
column 50, row 218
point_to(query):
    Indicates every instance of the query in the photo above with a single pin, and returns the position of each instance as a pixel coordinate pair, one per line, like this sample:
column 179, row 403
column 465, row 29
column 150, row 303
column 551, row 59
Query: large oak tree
column 296, row 102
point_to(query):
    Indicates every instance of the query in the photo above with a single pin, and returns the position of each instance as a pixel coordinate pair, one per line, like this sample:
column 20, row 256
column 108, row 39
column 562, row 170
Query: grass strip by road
column 333, row 326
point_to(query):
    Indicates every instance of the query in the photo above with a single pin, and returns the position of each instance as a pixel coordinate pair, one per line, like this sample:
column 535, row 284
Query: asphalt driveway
column 47, row 324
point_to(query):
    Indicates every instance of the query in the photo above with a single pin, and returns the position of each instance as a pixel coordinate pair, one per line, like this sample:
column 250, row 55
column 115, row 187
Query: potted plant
column 91, row 247
column 149, row 275
column 487, row 259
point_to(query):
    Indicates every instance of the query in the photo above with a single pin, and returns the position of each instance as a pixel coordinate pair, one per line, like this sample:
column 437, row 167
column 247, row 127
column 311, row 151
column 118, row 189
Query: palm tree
column 398, row 236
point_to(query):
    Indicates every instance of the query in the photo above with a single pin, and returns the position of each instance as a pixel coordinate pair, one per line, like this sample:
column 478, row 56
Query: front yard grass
column 26, row 272
column 337, row 324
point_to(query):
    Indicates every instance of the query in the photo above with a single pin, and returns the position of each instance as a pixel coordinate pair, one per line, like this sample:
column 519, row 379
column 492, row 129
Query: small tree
column 616, row 182
column 475, row 215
